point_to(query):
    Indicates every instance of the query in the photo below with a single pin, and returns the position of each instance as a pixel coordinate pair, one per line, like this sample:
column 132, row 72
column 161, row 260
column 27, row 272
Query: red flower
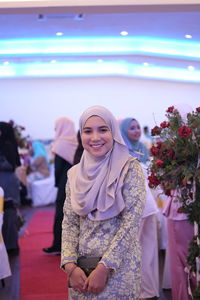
column 159, row 145
column 170, row 153
column 154, row 151
column 159, row 162
column 164, row 124
column 198, row 109
column 153, row 180
column 184, row 131
column 170, row 109
column 156, row 131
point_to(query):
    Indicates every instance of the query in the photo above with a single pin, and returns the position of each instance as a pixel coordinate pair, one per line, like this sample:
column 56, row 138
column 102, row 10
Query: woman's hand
column 96, row 281
column 78, row 279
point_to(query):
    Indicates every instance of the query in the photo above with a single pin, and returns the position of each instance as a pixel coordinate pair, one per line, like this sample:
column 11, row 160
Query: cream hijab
column 96, row 183
column 65, row 142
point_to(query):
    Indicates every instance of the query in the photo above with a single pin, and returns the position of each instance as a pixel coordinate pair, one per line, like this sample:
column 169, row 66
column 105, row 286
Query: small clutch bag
column 88, row 264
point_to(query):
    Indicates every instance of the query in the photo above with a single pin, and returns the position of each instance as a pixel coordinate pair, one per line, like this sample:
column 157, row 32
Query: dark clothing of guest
column 9, row 160
column 64, row 147
column 61, row 168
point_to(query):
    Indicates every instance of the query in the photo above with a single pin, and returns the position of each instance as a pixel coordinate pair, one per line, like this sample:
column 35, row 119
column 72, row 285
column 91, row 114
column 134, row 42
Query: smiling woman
column 102, row 212
column 97, row 137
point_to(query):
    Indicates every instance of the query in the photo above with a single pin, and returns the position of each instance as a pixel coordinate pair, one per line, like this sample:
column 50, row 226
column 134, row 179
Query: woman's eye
column 104, row 129
column 87, row 131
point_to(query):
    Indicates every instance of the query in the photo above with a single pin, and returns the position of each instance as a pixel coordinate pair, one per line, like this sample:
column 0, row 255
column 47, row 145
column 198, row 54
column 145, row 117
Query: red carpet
column 40, row 274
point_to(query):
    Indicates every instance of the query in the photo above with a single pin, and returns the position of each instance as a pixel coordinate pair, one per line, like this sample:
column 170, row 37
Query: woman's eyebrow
column 103, row 126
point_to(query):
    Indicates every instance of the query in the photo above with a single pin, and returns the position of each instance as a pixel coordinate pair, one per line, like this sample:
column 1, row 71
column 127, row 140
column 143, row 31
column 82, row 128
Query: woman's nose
column 95, row 136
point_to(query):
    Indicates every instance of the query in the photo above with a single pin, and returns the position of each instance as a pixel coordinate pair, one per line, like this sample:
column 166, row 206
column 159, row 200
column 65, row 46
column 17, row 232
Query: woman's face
column 96, row 136
column 134, row 131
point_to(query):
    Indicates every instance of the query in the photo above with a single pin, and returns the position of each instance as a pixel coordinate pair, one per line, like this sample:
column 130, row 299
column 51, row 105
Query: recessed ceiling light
column 188, row 36
column 124, row 33
column 59, row 33
column 191, row 68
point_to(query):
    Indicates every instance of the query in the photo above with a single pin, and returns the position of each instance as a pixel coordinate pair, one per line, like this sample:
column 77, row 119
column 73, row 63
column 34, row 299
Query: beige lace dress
column 115, row 240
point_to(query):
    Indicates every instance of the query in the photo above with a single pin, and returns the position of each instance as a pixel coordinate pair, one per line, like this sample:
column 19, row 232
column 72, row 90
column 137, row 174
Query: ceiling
column 91, row 44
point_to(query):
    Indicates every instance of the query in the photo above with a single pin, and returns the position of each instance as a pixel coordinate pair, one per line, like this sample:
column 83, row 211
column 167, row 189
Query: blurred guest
column 131, row 133
column 38, row 168
column 4, row 262
column 64, row 148
column 9, row 160
column 146, row 137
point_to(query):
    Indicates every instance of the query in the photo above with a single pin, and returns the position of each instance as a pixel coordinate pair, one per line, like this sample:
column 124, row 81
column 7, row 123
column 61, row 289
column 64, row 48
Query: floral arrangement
column 22, row 141
column 176, row 166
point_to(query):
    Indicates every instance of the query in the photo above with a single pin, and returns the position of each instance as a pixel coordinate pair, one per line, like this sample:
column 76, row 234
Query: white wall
column 37, row 103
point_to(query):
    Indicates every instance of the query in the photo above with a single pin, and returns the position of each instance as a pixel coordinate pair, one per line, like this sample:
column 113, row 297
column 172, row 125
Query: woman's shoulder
column 134, row 167
column 72, row 170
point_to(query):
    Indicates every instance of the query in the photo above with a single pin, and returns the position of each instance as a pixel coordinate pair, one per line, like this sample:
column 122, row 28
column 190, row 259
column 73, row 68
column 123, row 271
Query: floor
column 11, row 289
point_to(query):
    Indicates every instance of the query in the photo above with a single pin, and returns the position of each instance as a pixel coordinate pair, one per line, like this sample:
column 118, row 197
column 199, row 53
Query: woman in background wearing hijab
column 105, row 197
column 9, row 161
column 64, row 148
column 131, row 133
column 38, row 168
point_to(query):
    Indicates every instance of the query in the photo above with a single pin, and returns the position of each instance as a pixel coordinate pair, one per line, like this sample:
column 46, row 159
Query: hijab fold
column 96, row 182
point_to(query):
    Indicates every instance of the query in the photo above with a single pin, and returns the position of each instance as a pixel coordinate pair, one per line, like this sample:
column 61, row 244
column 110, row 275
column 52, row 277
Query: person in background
column 38, row 168
column 9, row 160
column 5, row 270
column 148, row 235
column 131, row 133
column 105, row 197
column 146, row 137
column 64, row 147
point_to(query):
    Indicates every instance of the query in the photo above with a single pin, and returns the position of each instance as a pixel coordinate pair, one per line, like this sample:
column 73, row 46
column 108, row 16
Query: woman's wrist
column 69, row 268
column 101, row 267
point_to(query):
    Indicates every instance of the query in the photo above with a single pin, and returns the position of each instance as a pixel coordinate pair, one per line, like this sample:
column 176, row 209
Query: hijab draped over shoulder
column 65, row 142
column 96, row 182
column 136, row 148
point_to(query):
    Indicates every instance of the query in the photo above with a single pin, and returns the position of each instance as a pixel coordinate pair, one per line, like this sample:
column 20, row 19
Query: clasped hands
column 93, row 284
